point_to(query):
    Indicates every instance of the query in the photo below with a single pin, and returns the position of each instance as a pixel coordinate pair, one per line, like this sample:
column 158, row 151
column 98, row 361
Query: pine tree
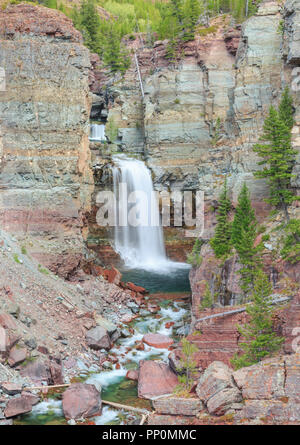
column 192, row 12
column 286, row 110
column 207, row 299
column 221, row 242
column 244, row 232
column 114, row 54
column 187, row 367
column 90, row 25
column 261, row 340
column 278, row 158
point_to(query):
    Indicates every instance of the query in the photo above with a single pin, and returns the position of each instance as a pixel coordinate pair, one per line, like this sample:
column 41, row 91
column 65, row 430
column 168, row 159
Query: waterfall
column 140, row 246
column 97, row 132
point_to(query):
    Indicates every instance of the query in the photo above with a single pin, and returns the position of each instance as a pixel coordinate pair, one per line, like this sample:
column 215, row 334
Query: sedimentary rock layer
column 45, row 177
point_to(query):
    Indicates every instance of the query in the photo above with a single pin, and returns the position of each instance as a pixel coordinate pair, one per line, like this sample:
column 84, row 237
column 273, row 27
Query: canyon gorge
column 71, row 313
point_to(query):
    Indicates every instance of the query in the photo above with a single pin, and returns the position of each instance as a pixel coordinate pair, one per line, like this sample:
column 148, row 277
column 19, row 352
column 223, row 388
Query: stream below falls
column 170, row 293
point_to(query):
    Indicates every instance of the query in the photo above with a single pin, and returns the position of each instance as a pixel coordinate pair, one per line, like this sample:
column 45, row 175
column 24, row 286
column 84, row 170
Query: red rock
column 17, row 406
column 113, row 275
column 135, row 288
column 16, row 356
column 7, row 321
column 140, row 346
column 38, row 371
column 81, row 400
column 258, row 240
column 43, row 350
column 155, row 379
column 56, row 373
column 157, row 340
column 11, row 388
column 34, row 20
column 32, row 398
column 132, row 374
column 118, row 366
column 169, row 324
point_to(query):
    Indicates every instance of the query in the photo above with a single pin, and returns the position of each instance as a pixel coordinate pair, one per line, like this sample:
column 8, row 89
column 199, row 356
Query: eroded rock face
column 45, row 178
column 81, row 400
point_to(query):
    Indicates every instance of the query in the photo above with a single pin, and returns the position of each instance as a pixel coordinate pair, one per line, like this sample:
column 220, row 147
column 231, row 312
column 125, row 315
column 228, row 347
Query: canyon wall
column 202, row 114
column 45, row 176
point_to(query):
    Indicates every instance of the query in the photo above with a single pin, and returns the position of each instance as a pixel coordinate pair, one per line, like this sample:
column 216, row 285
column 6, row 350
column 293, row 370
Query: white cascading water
column 140, row 246
column 97, row 132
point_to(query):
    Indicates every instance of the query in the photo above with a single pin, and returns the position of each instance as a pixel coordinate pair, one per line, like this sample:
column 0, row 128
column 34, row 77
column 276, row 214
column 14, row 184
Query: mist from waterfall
column 141, row 246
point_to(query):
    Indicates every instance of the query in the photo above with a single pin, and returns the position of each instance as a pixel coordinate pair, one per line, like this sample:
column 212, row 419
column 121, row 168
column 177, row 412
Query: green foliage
column 194, row 257
column 221, row 242
column 286, row 109
column 216, row 131
column 291, row 246
column 244, row 232
column 207, row 300
column 111, row 130
column 187, row 367
column 16, row 258
column 261, row 340
column 278, row 155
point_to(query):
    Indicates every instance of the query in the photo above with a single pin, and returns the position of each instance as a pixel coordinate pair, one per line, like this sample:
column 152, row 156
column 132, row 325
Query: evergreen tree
column 286, row 110
column 291, row 243
column 278, row 157
column 261, row 340
column 90, row 25
column 114, row 54
column 187, row 367
column 207, row 299
column 244, row 231
column 221, row 242
column 192, row 12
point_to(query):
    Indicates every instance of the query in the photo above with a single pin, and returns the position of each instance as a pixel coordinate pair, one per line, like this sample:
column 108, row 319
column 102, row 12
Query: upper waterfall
column 140, row 245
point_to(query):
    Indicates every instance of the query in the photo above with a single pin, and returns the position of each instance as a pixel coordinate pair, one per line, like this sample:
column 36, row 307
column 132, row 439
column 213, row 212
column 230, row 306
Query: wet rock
column 17, row 406
column 135, row 288
column 158, row 340
column 177, row 406
column 98, row 338
column 113, row 276
column 155, row 379
column 17, row 355
column 223, row 400
column 81, row 400
column 132, row 374
column 215, row 378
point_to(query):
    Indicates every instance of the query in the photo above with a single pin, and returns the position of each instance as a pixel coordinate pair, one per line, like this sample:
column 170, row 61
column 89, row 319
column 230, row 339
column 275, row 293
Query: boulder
column 135, row 288
column 263, row 380
column 177, row 406
column 11, row 388
column 38, row 371
column 158, row 340
column 32, row 398
column 17, row 355
column 223, row 400
column 132, row 374
column 7, row 321
column 215, row 378
column 155, row 379
column 81, row 400
column 98, row 338
column 17, row 406
column 113, row 275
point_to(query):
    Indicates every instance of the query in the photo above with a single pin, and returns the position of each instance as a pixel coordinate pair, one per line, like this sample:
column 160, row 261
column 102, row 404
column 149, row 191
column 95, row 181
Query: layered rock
column 45, row 178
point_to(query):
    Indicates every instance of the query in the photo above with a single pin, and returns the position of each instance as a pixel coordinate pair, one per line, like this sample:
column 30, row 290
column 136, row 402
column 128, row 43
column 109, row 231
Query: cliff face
column 201, row 116
column 45, row 176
